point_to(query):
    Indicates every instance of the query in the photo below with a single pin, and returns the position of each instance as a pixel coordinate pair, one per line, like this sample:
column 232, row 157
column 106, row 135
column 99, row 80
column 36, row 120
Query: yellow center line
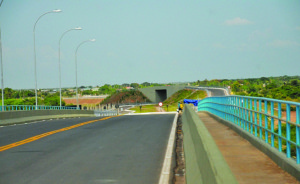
column 34, row 138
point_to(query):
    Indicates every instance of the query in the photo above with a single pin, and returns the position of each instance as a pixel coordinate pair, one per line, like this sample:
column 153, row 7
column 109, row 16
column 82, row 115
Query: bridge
column 231, row 139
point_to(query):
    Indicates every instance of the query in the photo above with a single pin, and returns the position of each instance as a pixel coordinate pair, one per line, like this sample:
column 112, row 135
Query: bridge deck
column 248, row 164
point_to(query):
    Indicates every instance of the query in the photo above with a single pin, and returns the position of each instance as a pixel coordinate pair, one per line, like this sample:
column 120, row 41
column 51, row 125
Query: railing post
column 251, row 116
column 272, row 124
column 266, row 122
column 247, row 114
column 260, row 119
column 255, row 117
column 243, row 116
column 288, row 131
column 298, row 134
column 279, row 128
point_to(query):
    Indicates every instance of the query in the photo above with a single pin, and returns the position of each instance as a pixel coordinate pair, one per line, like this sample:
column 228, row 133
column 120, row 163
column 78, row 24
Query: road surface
column 119, row 150
column 211, row 91
column 217, row 92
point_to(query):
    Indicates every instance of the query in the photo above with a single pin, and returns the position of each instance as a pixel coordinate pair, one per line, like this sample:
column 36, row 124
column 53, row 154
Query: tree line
column 282, row 88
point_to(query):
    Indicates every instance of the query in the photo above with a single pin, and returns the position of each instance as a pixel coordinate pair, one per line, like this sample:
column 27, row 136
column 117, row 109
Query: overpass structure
column 160, row 93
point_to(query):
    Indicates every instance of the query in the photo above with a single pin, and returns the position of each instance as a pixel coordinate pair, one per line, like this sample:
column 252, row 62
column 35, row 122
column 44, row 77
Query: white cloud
column 237, row 21
column 283, row 43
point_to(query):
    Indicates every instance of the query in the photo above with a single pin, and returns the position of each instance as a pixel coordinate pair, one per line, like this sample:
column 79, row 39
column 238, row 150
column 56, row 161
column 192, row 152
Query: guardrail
column 106, row 113
column 275, row 122
column 33, row 107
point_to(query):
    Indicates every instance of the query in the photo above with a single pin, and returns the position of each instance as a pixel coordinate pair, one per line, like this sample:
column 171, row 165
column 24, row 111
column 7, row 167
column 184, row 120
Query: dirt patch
column 160, row 109
column 179, row 170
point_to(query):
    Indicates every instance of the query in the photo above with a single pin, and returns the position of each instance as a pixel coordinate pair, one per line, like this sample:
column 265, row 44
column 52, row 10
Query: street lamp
column 2, row 83
column 77, row 28
column 35, row 76
column 91, row 40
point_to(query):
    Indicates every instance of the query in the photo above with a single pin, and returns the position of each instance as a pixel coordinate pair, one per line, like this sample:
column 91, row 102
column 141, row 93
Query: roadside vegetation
column 125, row 97
column 282, row 88
column 51, row 96
column 145, row 108
column 48, row 101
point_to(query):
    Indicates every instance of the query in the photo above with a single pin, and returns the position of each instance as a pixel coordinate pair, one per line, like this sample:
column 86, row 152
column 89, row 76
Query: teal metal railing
column 33, row 107
column 276, row 122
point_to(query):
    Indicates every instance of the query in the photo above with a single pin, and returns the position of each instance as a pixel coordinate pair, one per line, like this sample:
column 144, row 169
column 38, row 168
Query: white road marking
column 165, row 172
column 147, row 113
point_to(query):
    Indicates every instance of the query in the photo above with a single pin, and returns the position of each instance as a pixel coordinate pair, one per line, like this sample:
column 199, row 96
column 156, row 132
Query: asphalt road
column 119, row 150
column 217, row 92
column 211, row 91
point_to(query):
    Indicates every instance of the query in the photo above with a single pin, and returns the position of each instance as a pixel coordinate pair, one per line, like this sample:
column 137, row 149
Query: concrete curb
column 166, row 169
column 287, row 164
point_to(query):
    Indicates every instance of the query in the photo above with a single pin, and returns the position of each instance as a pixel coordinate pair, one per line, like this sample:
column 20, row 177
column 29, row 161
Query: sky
column 148, row 41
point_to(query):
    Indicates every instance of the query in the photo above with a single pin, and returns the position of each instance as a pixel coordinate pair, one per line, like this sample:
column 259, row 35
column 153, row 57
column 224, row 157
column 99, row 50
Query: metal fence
column 276, row 122
column 33, row 107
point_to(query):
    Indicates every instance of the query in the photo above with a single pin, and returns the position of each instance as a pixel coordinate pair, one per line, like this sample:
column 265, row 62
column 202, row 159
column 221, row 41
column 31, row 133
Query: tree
column 134, row 85
column 53, row 101
column 8, row 92
column 146, row 84
column 236, row 87
column 264, row 79
column 295, row 82
column 87, row 92
column 106, row 89
column 271, row 86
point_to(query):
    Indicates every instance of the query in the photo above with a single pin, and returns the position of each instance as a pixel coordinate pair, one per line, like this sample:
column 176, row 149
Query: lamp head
column 56, row 11
column 92, row 40
column 78, row 28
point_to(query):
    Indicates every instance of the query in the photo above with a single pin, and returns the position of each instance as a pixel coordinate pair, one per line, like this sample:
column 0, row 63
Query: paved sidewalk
column 248, row 164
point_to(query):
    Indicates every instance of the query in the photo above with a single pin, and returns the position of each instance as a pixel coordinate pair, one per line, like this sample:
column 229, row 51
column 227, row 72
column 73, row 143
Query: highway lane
column 211, row 91
column 120, row 150
column 14, row 133
column 217, row 92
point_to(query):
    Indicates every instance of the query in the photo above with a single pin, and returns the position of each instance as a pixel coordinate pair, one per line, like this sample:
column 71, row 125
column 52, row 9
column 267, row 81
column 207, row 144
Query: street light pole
column 91, row 40
column 59, row 68
column 35, row 76
column 2, row 83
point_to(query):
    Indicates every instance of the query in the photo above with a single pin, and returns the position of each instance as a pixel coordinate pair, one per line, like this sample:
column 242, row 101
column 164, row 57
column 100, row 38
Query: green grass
column 198, row 94
column 153, row 108
column 170, row 108
column 145, row 108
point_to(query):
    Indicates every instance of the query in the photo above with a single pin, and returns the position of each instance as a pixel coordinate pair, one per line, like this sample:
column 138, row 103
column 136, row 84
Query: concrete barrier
column 204, row 161
column 13, row 117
